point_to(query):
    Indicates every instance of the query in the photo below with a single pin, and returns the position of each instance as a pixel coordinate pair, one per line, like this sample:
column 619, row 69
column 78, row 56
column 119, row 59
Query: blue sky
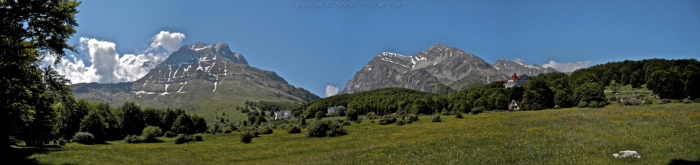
column 315, row 47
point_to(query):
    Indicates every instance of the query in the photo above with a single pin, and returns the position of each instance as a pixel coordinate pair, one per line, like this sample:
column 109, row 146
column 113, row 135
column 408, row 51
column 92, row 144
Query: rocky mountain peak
column 509, row 67
column 438, row 47
column 202, row 51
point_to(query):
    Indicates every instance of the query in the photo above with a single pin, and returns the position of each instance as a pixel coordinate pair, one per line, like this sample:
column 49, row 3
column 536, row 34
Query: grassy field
column 660, row 133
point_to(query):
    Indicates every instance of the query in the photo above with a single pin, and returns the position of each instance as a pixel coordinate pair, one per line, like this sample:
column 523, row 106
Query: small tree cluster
column 184, row 138
column 325, row 128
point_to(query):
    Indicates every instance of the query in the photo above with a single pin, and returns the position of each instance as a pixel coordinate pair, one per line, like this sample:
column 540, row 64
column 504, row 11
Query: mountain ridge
column 423, row 71
column 198, row 76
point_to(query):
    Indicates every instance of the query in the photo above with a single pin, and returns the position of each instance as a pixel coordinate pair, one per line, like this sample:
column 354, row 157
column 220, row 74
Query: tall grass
column 659, row 133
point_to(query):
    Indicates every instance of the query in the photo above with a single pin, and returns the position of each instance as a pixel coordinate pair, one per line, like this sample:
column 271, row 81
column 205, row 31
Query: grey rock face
column 423, row 71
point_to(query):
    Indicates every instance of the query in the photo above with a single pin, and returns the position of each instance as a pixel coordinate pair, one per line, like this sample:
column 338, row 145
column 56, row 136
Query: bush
column 557, row 107
column 582, row 104
column 319, row 115
column 436, row 118
column 247, row 137
column 358, row 121
column 664, row 101
column 169, row 134
column 401, row 122
column 265, row 130
column 181, row 138
column 477, row 110
column 151, row 132
column 458, row 115
column 130, row 139
column 227, row 131
column 326, row 128
column 593, row 104
column 345, row 122
column 293, row 129
column 84, row 138
column 445, row 113
column 412, row 117
column 387, row 120
column 601, row 104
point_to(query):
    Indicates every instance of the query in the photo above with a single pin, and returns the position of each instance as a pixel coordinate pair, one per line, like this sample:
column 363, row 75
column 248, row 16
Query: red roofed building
column 516, row 80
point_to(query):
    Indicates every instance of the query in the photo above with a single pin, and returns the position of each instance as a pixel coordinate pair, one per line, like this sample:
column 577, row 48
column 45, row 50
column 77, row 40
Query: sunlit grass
column 659, row 133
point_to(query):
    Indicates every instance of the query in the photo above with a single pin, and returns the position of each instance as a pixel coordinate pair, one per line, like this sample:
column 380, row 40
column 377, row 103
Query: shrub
column 400, row 122
column 169, row 134
column 84, row 138
column 557, row 107
column 326, row 128
column 458, row 115
column 593, row 104
column 601, row 104
column 265, row 130
column 436, row 118
column 412, row 117
column 247, row 137
column 181, row 138
column 477, row 110
column 686, row 100
column 150, row 133
column 387, row 120
column 445, row 113
column 336, row 129
column 319, row 115
column 227, row 131
column 358, row 121
column 582, row 104
column 130, row 139
column 345, row 122
column 293, row 129
column 351, row 115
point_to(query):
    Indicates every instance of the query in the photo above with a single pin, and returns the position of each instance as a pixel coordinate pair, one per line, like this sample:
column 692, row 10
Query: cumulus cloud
column 331, row 90
column 569, row 66
column 106, row 66
column 170, row 42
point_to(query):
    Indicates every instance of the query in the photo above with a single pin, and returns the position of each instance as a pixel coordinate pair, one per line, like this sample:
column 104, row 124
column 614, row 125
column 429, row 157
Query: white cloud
column 106, row 66
column 519, row 60
column 331, row 90
column 569, row 66
column 170, row 42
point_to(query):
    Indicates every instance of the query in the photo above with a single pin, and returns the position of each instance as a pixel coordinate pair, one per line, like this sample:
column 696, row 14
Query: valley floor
column 660, row 133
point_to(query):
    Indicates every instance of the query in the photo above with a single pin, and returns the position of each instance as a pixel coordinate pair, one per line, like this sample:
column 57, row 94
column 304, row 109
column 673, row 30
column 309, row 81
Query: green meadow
column 661, row 133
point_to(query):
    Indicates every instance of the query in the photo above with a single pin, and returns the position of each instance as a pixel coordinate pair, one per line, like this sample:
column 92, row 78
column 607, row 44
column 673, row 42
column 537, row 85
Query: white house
column 333, row 111
column 283, row 114
column 516, row 80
